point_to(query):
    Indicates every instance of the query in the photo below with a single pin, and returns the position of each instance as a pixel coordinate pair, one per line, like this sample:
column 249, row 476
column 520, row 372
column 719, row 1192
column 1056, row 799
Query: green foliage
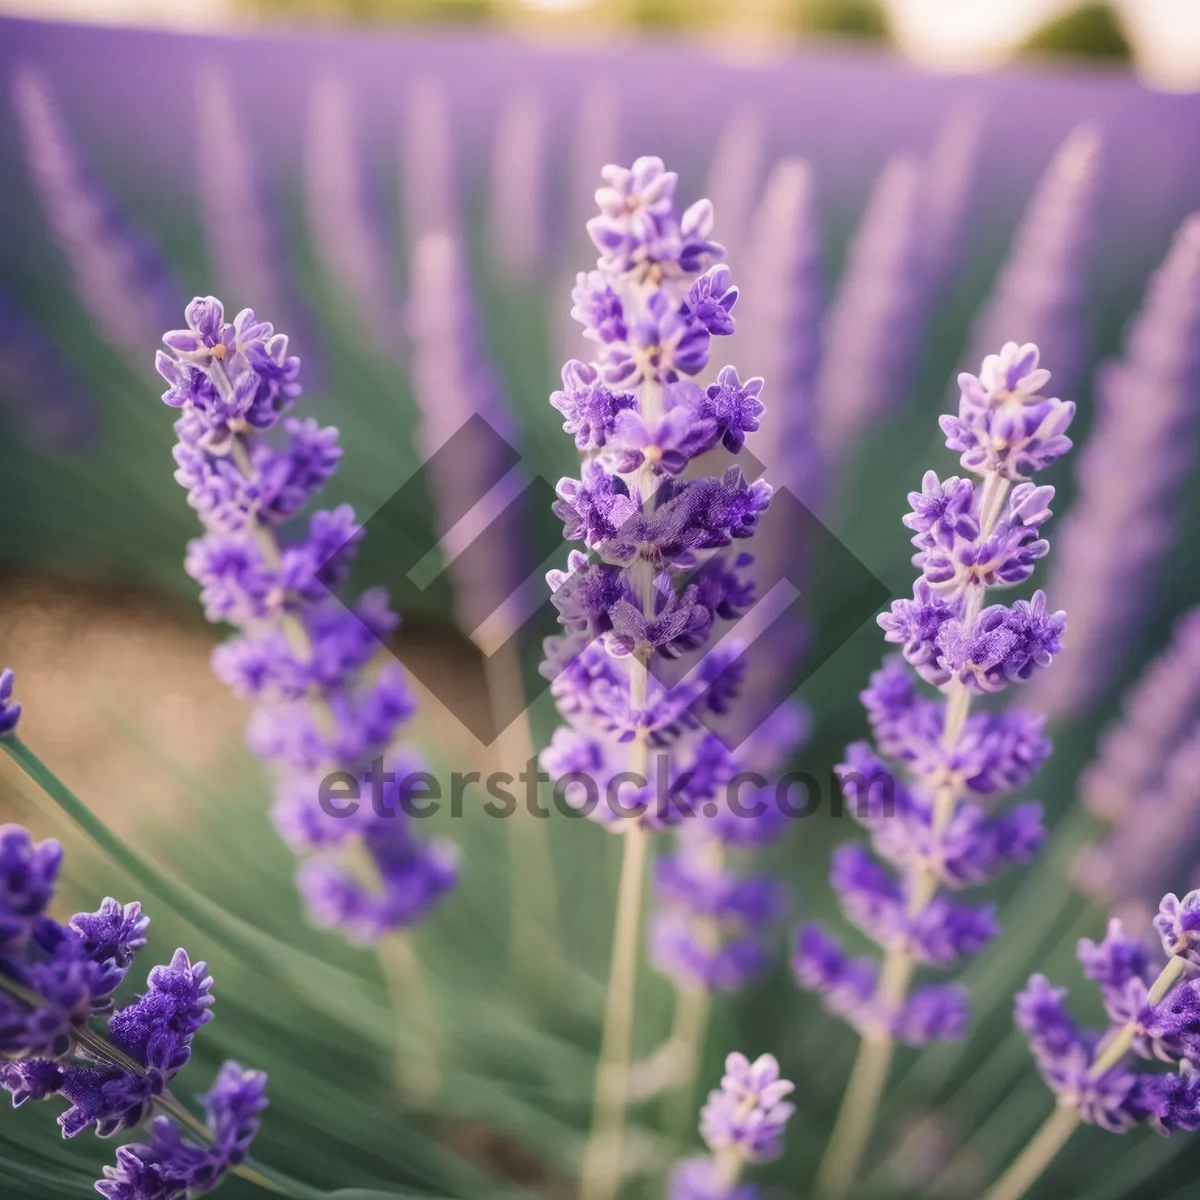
column 442, row 12
column 863, row 20
column 1090, row 31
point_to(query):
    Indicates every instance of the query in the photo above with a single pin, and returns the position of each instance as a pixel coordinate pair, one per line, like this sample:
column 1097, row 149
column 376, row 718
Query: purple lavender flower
column 1041, row 293
column 702, row 1178
column 1178, row 925
column 170, row 1166
column 432, row 201
column 118, row 274
column 300, row 655
column 780, row 328
column 951, row 189
column 54, row 978
column 1154, row 712
column 1149, row 841
column 711, row 299
column 10, row 709
column 1144, row 413
column 345, row 230
column 665, row 584
column 746, row 1116
column 517, row 219
column 874, row 323
column 50, row 408
column 1155, row 1015
column 240, row 232
column 454, row 383
column 28, row 874
column 931, row 838
column 734, row 406
column 72, row 969
column 734, row 176
column 1004, row 425
column 1004, row 646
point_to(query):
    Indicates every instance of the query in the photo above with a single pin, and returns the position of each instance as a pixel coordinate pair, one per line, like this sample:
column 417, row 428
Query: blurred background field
column 292, row 170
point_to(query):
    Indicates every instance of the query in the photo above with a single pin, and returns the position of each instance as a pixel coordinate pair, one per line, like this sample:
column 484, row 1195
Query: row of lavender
column 851, row 363
column 651, row 310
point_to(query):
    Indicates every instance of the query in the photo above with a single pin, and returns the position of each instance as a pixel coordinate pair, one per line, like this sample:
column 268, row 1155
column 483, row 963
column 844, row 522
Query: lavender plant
column 1154, row 1014
column 118, row 274
column 1145, row 408
column 1143, row 779
column 300, row 656
column 932, row 831
column 453, row 382
column 50, row 408
column 742, row 1124
column 1041, row 293
column 58, row 980
column 657, row 586
column 872, row 332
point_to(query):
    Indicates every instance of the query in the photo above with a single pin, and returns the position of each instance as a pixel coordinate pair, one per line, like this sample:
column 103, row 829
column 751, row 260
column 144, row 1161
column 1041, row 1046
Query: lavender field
column 447, row 1004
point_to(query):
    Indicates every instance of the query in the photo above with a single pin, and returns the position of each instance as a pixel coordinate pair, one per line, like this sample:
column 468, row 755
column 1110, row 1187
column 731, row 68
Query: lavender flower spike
column 1143, row 776
column 49, row 408
column 1096, row 1075
column 299, row 655
column 344, row 228
column 924, row 814
column 742, row 1124
column 780, row 327
column 56, row 979
column 429, row 180
column 1145, row 413
column 874, row 323
column 453, row 382
column 1041, row 293
column 518, row 217
column 1154, row 712
column 650, row 310
column 1154, row 839
column 118, row 273
column 735, row 173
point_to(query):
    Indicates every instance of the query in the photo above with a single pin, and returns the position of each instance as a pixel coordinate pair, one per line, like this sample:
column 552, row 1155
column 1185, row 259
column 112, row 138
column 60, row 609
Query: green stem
column 121, row 853
column 1036, row 1157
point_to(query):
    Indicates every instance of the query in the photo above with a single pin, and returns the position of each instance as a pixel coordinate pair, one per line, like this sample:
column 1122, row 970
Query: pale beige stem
column 600, row 1175
column 1036, row 1157
column 418, row 1031
column 688, row 1034
column 535, row 945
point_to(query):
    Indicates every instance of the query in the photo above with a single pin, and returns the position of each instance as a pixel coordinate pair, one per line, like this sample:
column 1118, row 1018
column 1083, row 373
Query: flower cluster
column 172, row 1167
column 1154, row 1013
column 300, row 655
column 55, row 978
column 932, row 827
column 661, row 576
column 10, row 709
column 742, row 1123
